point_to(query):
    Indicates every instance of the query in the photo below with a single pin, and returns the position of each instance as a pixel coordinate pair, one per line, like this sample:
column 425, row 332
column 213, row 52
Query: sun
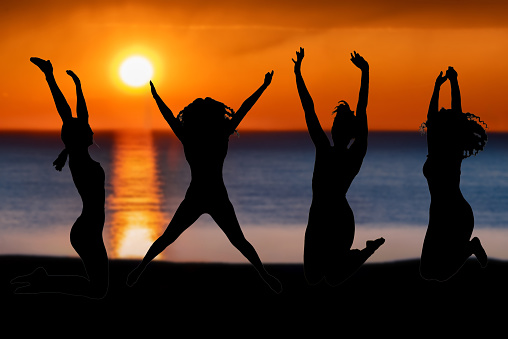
column 136, row 71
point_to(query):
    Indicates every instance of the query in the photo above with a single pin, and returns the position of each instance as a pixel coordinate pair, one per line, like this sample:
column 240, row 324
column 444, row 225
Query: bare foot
column 133, row 277
column 31, row 283
column 479, row 251
column 273, row 282
column 375, row 244
column 44, row 65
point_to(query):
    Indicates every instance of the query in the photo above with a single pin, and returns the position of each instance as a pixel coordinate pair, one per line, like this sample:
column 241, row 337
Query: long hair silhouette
column 331, row 226
column 451, row 137
column 203, row 128
column 88, row 176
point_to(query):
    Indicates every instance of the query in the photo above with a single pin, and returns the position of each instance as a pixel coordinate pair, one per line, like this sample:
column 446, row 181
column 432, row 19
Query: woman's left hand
column 441, row 79
column 268, row 78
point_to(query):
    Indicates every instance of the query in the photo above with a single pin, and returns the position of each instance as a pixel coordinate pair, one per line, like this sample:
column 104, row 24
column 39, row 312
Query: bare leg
column 61, row 104
column 443, row 265
column 93, row 253
column 39, row 281
column 225, row 217
column 313, row 264
column 361, row 256
column 81, row 110
column 476, row 248
column 95, row 260
column 353, row 261
column 185, row 215
column 314, row 257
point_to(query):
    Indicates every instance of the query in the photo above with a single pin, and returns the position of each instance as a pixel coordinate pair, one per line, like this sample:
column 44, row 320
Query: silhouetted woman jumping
column 88, row 176
column 331, row 225
column 203, row 128
column 451, row 137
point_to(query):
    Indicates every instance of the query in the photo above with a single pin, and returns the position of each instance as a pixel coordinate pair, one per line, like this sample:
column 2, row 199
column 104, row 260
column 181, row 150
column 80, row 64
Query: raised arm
column 434, row 100
column 63, row 108
column 363, row 97
column 316, row 132
column 81, row 110
column 247, row 104
column 173, row 122
column 433, row 110
column 451, row 74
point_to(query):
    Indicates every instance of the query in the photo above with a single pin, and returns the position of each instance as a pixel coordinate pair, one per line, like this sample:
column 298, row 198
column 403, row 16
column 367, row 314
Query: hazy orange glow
column 222, row 49
column 136, row 219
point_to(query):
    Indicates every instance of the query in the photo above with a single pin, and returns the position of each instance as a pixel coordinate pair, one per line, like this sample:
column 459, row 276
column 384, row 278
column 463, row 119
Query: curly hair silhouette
column 451, row 137
column 203, row 128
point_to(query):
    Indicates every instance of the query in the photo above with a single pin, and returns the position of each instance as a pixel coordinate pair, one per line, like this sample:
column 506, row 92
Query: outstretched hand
column 441, row 79
column 299, row 58
column 359, row 61
column 268, row 78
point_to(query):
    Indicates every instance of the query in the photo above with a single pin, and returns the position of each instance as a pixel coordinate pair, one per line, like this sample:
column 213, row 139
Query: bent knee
column 433, row 272
column 99, row 290
column 313, row 275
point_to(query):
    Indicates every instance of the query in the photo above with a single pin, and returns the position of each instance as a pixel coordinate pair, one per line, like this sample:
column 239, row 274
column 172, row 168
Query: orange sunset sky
column 223, row 48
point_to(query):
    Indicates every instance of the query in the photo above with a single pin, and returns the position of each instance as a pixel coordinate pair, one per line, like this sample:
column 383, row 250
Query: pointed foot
column 44, row 65
column 273, row 283
column 479, row 252
column 375, row 244
column 133, row 277
column 30, row 283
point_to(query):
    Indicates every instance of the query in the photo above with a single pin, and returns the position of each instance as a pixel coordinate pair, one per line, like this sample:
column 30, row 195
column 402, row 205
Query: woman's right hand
column 299, row 58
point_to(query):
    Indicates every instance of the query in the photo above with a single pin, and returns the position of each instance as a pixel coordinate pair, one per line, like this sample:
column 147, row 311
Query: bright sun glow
column 136, row 71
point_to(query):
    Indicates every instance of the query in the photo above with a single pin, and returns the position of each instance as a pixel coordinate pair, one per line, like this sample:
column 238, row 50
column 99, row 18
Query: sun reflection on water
column 134, row 204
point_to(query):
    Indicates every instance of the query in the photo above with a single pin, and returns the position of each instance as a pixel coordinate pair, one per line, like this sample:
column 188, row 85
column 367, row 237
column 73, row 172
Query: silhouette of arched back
column 331, row 226
column 88, row 176
column 451, row 136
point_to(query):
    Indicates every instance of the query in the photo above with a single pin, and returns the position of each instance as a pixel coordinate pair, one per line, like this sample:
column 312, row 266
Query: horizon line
column 247, row 130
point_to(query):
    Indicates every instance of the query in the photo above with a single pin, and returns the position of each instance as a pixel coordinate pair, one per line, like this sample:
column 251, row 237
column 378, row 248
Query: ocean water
column 268, row 176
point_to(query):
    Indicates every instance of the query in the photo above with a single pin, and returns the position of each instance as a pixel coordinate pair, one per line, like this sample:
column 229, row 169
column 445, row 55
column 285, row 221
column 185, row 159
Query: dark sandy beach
column 232, row 300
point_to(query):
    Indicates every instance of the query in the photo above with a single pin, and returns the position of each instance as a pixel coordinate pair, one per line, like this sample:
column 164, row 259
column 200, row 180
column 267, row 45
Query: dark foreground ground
column 178, row 300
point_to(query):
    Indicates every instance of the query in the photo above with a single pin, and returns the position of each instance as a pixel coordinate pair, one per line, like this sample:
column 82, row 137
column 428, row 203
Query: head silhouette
column 344, row 125
column 463, row 132
column 76, row 135
column 205, row 115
